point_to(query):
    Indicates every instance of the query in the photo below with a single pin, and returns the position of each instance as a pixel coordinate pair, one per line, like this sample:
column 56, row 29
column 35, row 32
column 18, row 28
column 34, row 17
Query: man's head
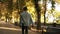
column 25, row 8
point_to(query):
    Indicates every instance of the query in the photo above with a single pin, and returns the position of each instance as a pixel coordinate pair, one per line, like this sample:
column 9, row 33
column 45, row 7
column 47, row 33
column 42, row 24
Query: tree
column 9, row 9
column 38, row 14
column 21, row 4
column 44, row 11
column 0, row 8
column 53, row 7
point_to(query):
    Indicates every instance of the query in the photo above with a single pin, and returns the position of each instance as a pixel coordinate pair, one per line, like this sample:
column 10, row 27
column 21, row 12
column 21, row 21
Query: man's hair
column 25, row 8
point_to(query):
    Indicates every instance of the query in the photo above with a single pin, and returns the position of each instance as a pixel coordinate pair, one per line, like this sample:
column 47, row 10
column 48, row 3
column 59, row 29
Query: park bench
column 52, row 30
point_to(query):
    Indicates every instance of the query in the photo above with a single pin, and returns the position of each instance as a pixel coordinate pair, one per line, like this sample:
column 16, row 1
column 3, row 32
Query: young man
column 25, row 20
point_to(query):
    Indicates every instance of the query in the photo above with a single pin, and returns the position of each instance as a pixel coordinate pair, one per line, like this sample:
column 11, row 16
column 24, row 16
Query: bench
column 52, row 30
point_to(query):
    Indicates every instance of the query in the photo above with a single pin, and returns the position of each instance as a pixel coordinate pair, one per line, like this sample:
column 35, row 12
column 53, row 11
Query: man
column 25, row 20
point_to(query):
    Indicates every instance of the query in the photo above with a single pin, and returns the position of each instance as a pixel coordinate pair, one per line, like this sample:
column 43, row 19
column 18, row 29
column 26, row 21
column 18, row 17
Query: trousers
column 24, row 29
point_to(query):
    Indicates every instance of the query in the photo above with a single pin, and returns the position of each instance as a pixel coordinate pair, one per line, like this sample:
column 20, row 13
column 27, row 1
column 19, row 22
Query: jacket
column 25, row 18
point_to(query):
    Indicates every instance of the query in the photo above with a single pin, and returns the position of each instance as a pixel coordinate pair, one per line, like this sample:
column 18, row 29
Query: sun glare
column 57, row 10
column 49, row 5
column 57, row 7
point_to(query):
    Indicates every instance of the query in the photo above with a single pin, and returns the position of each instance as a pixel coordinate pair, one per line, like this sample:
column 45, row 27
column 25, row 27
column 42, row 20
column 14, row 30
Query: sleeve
column 31, row 20
column 20, row 21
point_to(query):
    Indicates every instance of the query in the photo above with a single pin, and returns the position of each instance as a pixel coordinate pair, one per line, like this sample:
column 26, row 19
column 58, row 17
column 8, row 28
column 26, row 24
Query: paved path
column 6, row 28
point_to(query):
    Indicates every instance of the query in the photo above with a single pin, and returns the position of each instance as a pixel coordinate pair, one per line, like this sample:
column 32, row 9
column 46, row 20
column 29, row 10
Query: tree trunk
column 44, row 12
column 38, row 14
column 9, row 9
column 21, row 4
